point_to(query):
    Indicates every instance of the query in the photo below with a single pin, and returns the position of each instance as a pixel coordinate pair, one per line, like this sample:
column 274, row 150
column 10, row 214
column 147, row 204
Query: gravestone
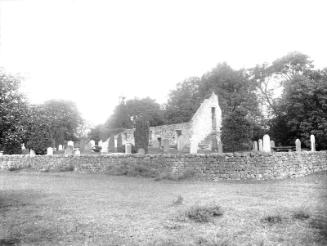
column 70, row 143
column 49, row 151
column 272, row 144
column 23, row 146
column 313, row 143
column 77, row 152
column 255, row 146
column 165, row 144
column 32, row 153
column 220, row 147
column 1, row 153
column 298, row 145
column 69, row 151
column 141, row 151
column 100, row 143
column 260, row 144
column 128, row 148
column 111, row 146
column 92, row 143
column 105, row 146
column 266, row 144
column 60, row 147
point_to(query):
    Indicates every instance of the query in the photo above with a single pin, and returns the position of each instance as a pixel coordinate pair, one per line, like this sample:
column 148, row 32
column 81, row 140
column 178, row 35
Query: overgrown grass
column 68, row 168
column 132, row 170
column 178, row 201
column 14, row 168
column 203, row 214
column 188, row 173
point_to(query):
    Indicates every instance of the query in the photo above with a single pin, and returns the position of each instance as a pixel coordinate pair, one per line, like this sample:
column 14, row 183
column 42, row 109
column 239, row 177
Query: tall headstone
column 105, row 146
column 165, row 144
column 298, row 145
column 313, row 143
column 260, row 145
column 70, row 143
column 255, row 146
column 32, row 153
column 49, row 151
column 128, row 148
column 60, row 147
column 266, row 144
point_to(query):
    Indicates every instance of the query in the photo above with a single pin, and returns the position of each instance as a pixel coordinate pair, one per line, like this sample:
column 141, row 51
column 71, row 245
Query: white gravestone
column 255, row 146
column 32, row 153
column 49, row 151
column 298, row 145
column 92, row 143
column 260, row 144
column 266, row 144
column 77, row 152
column 60, row 147
column 23, row 146
column 70, row 143
column 100, row 143
column 313, row 143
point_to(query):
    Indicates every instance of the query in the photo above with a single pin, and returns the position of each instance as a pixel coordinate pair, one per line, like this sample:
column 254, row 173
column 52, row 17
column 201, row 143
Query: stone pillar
column 165, row 144
column 32, row 153
column 255, row 146
column 298, row 145
column 260, row 144
column 128, row 148
column 49, row 151
column 313, row 143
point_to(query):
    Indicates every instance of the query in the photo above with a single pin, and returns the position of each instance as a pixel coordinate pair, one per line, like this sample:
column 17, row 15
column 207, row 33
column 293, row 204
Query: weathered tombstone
column 266, row 143
column 70, row 143
column 69, row 151
column 23, row 146
column 111, row 146
column 313, row 143
column 128, row 148
column 1, row 153
column 77, row 152
column 49, row 151
column 272, row 143
column 298, row 145
column 60, row 147
column 165, row 144
column 92, row 143
column 32, row 153
column 260, row 144
column 141, row 151
column 255, row 146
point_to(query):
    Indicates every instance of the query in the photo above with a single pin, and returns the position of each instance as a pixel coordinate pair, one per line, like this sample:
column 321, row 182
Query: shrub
column 301, row 215
column 203, row 214
column 68, row 168
column 272, row 219
column 165, row 174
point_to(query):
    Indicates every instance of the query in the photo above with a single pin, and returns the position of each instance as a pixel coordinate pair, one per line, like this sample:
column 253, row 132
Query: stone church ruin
column 201, row 133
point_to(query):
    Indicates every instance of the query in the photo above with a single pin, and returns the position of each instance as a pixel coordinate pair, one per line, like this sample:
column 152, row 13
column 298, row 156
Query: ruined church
column 201, row 133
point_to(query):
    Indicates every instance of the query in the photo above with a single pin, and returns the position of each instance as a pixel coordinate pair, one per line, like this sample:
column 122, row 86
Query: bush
column 301, row 215
column 203, row 214
column 272, row 219
column 68, row 168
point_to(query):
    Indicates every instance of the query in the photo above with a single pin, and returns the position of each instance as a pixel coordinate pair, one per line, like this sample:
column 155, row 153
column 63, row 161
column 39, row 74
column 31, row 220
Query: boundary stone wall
column 233, row 166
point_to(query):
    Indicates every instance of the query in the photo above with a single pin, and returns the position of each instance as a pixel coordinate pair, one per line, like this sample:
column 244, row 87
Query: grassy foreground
column 82, row 209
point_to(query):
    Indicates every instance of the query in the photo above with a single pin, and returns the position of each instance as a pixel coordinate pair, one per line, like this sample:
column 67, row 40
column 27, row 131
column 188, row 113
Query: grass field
column 80, row 209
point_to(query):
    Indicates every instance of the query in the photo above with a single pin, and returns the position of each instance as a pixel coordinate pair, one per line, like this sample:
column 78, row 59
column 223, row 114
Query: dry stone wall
column 236, row 166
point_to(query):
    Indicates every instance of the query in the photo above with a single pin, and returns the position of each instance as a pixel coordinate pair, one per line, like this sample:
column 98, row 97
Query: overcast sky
column 93, row 51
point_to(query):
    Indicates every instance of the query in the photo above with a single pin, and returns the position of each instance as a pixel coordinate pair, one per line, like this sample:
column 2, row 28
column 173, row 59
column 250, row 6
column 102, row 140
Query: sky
column 94, row 51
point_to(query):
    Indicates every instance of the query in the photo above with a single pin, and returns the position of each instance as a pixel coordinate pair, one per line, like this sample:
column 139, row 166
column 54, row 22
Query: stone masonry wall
column 237, row 166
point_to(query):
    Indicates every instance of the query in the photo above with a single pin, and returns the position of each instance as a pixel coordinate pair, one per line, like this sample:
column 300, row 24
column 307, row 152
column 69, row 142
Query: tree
column 12, row 115
column 304, row 106
column 141, row 134
column 183, row 101
column 237, row 131
column 63, row 119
